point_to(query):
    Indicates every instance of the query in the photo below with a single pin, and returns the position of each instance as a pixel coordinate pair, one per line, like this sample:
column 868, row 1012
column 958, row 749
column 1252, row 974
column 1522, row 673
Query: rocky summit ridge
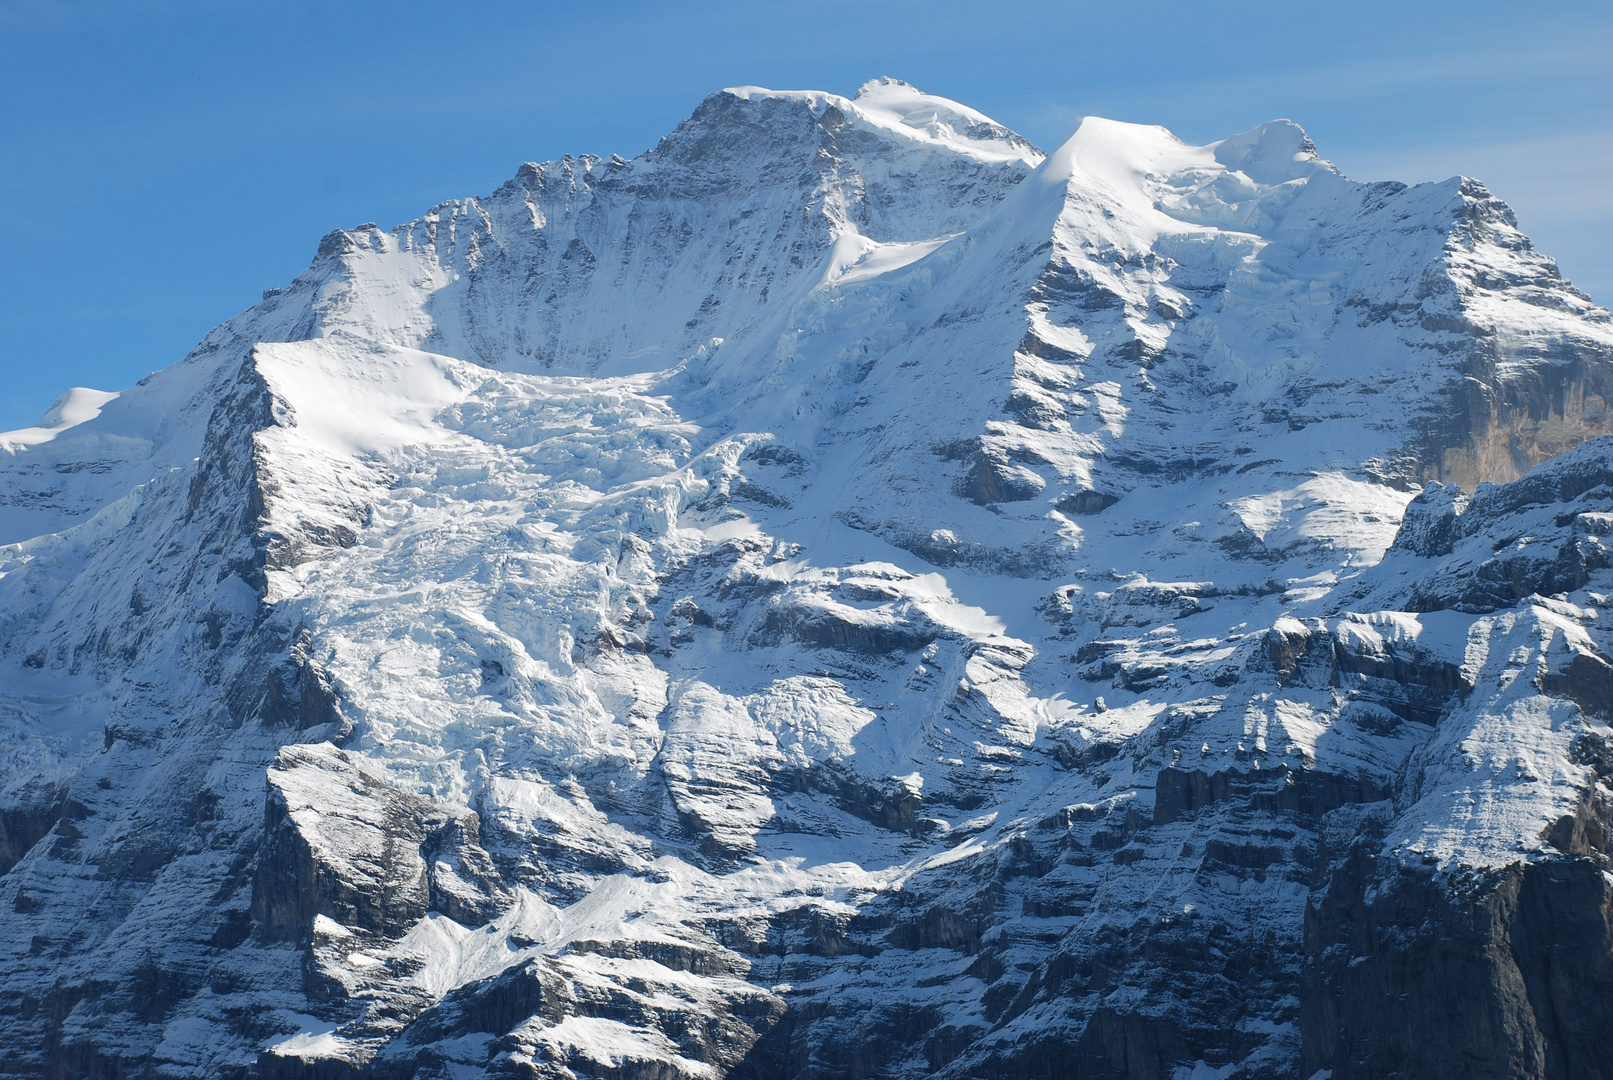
column 842, row 594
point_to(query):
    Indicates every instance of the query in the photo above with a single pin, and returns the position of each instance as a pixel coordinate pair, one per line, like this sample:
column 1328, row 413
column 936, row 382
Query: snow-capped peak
column 1126, row 159
column 79, row 405
column 898, row 106
column 1116, row 157
column 891, row 107
column 1273, row 153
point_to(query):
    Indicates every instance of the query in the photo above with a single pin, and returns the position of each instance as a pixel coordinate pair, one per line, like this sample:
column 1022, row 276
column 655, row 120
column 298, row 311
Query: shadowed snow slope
column 841, row 594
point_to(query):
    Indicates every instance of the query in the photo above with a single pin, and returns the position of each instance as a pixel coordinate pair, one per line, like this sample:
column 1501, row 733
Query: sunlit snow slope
column 841, row 594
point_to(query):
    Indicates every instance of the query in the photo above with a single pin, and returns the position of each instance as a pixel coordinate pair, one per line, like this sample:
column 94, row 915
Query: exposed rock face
column 1512, row 973
column 1506, row 416
column 844, row 594
column 346, row 845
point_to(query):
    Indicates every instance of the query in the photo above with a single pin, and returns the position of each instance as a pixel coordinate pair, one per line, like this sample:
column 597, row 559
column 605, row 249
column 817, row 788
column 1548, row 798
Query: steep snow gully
column 842, row 594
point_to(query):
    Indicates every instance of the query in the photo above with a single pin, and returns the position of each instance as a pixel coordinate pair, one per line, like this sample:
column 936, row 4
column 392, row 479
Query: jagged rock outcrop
column 346, row 845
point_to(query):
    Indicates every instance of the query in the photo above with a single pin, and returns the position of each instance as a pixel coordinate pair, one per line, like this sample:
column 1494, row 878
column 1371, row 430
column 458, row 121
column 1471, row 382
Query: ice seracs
column 842, row 592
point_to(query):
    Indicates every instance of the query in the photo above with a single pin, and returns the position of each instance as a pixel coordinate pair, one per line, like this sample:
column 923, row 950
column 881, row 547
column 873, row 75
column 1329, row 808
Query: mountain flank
column 843, row 594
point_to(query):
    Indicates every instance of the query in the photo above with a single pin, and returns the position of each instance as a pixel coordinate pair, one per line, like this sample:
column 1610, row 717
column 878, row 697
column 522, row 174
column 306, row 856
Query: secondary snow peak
column 1273, row 153
column 79, row 405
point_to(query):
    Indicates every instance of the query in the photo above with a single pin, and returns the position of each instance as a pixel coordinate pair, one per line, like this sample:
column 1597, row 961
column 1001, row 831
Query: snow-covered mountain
column 841, row 594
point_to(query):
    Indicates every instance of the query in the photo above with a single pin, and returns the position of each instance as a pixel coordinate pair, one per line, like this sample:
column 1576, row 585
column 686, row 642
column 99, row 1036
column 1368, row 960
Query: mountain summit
column 841, row 594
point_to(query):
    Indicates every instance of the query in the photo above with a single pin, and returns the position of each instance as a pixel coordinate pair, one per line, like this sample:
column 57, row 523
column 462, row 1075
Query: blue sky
column 163, row 162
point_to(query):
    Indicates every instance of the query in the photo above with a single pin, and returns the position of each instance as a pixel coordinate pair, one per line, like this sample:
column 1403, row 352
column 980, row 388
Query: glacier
column 844, row 593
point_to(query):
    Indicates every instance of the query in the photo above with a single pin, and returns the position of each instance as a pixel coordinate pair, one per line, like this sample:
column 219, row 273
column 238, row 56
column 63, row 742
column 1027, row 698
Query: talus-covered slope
column 841, row 594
